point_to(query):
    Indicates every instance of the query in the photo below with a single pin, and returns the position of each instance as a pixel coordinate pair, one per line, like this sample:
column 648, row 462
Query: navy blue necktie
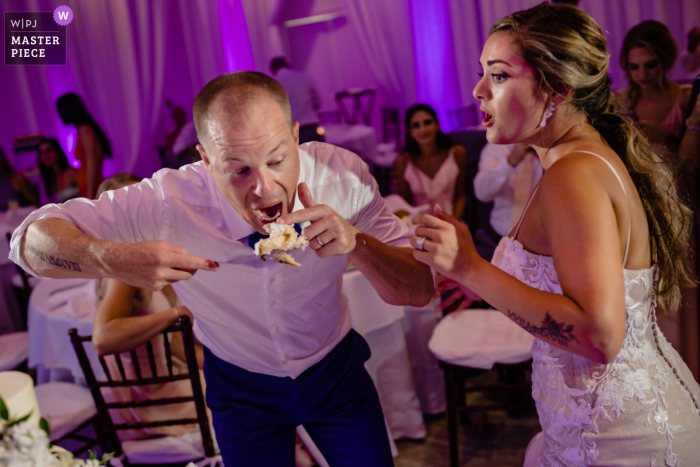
column 255, row 237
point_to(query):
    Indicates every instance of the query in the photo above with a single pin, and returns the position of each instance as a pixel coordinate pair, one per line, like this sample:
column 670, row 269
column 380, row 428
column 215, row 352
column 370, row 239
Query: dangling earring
column 547, row 114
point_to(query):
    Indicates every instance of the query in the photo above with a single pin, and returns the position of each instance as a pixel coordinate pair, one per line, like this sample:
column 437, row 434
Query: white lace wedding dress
column 643, row 409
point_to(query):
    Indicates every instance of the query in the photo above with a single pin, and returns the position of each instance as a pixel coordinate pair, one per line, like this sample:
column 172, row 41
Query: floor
column 485, row 439
column 500, row 440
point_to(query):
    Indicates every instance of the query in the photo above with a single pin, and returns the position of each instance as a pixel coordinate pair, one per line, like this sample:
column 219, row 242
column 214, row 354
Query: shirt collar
column 239, row 227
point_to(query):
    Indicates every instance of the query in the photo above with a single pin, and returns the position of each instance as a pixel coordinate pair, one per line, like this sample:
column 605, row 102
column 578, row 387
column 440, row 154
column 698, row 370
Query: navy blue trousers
column 255, row 415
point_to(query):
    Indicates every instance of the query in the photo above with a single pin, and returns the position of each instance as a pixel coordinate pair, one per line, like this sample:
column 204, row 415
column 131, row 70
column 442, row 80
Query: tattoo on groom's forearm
column 61, row 263
column 550, row 329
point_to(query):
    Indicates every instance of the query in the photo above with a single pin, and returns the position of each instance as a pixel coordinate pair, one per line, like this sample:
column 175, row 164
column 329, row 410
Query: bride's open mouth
column 268, row 214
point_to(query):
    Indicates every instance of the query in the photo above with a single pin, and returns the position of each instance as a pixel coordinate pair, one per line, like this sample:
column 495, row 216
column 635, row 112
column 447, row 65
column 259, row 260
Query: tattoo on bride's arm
column 61, row 263
column 550, row 329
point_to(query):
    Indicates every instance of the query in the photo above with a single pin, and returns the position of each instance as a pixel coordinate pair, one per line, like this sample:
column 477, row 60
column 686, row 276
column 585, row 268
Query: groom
column 280, row 350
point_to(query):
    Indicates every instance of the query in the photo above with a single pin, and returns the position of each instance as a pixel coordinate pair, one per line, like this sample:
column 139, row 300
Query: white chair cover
column 479, row 339
column 14, row 349
column 65, row 406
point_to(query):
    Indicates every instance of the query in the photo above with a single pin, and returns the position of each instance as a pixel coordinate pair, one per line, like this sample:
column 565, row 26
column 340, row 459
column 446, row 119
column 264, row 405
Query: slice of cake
column 283, row 237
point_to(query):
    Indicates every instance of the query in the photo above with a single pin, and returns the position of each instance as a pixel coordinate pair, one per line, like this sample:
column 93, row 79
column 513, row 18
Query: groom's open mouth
column 268, row 214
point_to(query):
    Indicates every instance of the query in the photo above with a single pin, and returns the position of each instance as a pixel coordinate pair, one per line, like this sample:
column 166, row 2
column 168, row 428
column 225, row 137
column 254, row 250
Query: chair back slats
column 105, row 369
column 110, row 435
column 152, row 358
column 111, row 439
column 149, row 402
column 137, row 365
column 120, row 365
column 142, row 381
column 168, row 356
column 156, row 424
column 197, row 392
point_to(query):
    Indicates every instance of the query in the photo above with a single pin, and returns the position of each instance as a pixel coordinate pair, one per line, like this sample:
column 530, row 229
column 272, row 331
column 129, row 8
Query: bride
column 598, row 252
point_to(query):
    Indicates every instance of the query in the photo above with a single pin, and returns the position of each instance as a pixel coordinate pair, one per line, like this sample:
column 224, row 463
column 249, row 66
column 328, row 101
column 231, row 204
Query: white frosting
column 17, row 390
column 282, row 237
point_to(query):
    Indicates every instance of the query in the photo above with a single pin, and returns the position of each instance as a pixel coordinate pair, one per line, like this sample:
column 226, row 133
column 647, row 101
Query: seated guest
column 15, row 190
column 60, row 179
column 127, row 317
column 507, row 175
column 431, row 170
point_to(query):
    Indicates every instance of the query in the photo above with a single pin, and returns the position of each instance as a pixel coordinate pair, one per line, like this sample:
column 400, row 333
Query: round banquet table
column 10, row 315
column 360, row 139
column 55, row 306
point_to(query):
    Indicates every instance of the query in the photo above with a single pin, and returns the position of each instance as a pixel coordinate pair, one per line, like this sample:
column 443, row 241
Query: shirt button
column 277, row 329
column 272, row 303
column 272, row 281
column 285, row 359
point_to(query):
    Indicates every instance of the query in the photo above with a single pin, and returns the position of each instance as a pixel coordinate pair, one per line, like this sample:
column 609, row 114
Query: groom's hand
column 329, row 234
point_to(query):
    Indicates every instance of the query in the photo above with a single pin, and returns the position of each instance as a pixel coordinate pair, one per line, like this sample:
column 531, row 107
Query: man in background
column 303, row 98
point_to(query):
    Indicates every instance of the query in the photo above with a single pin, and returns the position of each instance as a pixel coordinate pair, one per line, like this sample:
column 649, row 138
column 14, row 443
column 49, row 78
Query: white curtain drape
column 384, row 33
column 471, row 22
column 266, row 35
column 125, row 58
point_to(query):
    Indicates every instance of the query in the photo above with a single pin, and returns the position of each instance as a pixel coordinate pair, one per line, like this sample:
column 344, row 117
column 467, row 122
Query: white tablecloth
column 360, row 139
column 57, row 305
column 10, row 316
column 390, row 366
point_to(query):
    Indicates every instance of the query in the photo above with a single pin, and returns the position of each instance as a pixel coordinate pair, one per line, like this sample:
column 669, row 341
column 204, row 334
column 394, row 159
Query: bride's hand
column 448, row 247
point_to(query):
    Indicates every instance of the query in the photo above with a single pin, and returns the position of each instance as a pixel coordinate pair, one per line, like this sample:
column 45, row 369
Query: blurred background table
column 360, row 139
column 11, row 314
column 57, row 305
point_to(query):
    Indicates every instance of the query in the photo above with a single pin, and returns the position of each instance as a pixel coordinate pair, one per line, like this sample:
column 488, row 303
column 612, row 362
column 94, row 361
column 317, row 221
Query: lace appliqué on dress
column 575, row 395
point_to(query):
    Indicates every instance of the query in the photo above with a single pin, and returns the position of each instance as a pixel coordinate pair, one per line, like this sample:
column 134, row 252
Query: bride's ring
column 318, row 239
column 420, row 243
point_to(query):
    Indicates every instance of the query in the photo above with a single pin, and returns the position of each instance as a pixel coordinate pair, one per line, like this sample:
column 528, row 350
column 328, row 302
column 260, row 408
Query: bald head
column 237, row 93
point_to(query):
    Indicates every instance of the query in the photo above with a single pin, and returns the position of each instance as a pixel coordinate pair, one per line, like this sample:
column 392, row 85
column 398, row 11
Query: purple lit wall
column 436, row 76
column 235, row 39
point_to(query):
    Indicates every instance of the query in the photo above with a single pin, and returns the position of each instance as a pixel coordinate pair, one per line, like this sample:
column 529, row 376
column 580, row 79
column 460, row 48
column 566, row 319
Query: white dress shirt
column 303, row 97
column 494, row 182
column 263, row 316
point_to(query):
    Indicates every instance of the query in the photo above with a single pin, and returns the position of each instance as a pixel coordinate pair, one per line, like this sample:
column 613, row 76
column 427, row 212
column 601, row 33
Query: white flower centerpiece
column 24, row 444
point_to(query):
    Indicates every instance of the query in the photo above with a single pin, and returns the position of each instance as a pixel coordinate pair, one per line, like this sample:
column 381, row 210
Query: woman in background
column 599, row 250
column 60, row 179
column 659, row 105
column 91, row 145
column 431, row 170
column 15, row 190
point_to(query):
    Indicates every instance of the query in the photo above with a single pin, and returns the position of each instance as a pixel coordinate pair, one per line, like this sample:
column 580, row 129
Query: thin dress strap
column 522, row 216
column 629, row 228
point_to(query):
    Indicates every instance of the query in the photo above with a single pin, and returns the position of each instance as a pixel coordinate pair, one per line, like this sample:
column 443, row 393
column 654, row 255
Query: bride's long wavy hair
column 567, row 50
